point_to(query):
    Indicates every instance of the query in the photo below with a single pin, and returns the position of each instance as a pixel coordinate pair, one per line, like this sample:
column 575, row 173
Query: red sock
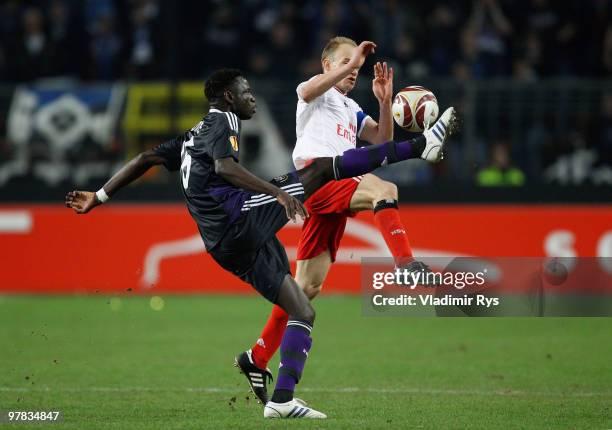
column 387, row 219
column 270, row 338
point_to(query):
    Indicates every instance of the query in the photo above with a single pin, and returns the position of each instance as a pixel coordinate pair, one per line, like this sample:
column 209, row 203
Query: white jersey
column 327, row 126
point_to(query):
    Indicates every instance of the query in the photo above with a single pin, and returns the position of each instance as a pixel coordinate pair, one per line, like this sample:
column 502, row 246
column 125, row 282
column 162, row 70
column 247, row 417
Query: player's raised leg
column 429, row 146
column 359, row 161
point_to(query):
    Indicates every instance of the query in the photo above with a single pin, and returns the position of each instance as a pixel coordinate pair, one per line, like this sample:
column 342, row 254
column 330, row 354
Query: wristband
column 101, row 195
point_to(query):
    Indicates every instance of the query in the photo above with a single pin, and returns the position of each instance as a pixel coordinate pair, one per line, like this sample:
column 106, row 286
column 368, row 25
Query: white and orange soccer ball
column 415, row 108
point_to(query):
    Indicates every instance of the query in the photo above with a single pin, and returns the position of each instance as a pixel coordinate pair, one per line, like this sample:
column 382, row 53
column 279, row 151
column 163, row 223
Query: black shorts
column 250, row 249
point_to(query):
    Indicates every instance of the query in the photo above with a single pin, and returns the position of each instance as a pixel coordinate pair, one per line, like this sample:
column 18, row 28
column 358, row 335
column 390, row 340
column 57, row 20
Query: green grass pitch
column 137, row 368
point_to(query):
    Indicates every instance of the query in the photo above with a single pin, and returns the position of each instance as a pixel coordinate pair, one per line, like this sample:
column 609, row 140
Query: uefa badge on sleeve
column 234, row 141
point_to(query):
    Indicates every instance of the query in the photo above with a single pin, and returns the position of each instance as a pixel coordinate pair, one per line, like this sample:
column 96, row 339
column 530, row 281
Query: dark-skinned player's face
column 242, row 99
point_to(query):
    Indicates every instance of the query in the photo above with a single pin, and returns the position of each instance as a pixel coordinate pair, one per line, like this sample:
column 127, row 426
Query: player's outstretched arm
column 321, row 83
column 84, row 201
column 237, row 175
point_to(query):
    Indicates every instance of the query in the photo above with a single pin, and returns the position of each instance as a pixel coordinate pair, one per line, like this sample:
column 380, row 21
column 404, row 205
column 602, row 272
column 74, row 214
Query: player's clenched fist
column 81, row 201
column 360, row 53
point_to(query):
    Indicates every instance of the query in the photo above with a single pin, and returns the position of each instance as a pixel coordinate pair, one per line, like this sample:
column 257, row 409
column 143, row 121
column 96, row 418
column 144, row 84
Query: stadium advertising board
column 156, row 248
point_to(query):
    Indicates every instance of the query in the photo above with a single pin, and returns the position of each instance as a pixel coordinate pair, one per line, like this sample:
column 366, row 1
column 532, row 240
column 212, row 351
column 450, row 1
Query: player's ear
column 228, row 97
column 326, row 64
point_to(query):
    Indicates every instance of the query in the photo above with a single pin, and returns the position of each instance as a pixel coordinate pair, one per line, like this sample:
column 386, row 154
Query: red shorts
column 329, row 208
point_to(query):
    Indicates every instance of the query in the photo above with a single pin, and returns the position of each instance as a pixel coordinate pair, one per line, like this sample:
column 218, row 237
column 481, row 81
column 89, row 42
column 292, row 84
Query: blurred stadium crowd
column 531, row 78
column 155, row 39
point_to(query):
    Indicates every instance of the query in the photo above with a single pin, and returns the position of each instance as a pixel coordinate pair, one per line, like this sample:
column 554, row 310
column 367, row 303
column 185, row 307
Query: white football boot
column 290, row 409
column 437, row 134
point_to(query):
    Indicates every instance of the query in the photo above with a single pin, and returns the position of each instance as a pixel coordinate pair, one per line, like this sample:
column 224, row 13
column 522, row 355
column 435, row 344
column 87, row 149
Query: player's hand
column 360, row 53
column 293, row 207
column 382, row 84
column 81, row 201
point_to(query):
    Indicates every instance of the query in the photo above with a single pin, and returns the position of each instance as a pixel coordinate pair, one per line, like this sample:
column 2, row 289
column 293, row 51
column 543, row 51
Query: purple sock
column 293, row 351
column 360, row 161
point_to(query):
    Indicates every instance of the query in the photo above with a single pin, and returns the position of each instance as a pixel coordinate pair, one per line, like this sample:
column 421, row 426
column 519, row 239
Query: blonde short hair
column 333, row 44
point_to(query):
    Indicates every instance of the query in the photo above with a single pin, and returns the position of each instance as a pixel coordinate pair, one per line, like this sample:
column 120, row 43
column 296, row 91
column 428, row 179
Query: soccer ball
column 415, row 108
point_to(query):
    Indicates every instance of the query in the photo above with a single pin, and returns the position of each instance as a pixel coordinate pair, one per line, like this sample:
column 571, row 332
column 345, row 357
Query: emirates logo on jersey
column 349, row 134
column 234, row 142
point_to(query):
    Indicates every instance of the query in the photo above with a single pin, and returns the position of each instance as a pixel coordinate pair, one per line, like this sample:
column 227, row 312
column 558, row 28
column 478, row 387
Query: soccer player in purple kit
column 239, row 214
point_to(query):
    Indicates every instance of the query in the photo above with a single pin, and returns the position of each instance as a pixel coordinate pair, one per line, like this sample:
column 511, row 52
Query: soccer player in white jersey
column 328, row 122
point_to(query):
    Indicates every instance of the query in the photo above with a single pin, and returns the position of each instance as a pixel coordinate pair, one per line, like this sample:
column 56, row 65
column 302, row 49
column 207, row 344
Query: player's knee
column 312, row 289
column 307, row 314
column 386, row 191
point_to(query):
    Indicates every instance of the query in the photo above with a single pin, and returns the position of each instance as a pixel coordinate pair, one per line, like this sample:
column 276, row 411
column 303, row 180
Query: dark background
column 530, row 79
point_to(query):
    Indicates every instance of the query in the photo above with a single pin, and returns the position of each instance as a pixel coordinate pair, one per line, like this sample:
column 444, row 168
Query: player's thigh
column 370, row 190
column 264, row 215
column 333, row 198
column 310, row 274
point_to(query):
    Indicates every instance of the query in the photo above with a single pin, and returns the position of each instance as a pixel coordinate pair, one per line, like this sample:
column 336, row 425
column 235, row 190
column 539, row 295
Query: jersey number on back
column 186, row 163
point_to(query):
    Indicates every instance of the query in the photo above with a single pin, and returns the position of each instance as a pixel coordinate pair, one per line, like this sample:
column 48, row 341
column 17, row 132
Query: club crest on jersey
column 234, row 142
column 281, row 178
